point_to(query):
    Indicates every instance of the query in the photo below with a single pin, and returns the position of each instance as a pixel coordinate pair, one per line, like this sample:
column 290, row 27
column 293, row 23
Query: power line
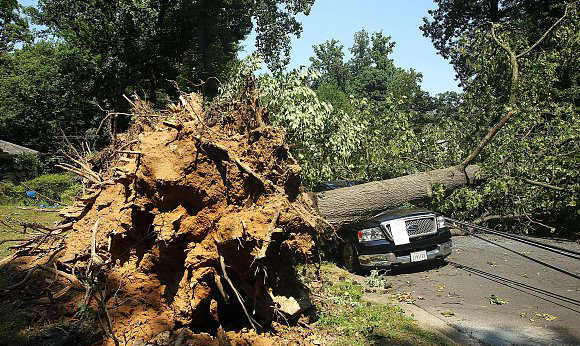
column 552, row 248
column 563, row 271
column 521, row 287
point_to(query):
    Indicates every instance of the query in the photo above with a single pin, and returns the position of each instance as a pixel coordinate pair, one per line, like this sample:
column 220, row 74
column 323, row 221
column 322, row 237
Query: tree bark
column 352, row 204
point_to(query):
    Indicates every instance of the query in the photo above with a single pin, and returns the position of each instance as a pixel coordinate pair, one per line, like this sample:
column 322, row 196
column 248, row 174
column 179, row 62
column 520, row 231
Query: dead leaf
column 447, row 313
column 493, row 299
column 406, row 297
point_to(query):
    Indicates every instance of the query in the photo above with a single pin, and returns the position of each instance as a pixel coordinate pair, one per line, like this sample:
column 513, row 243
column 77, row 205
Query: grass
column 16, row 327
column 12, row 215
column 351, row 321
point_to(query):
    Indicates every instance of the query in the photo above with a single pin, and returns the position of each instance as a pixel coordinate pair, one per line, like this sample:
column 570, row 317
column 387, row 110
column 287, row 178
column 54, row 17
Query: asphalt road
column 541, row 306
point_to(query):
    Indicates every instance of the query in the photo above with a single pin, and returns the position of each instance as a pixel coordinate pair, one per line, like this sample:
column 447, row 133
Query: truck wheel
column 349, row 257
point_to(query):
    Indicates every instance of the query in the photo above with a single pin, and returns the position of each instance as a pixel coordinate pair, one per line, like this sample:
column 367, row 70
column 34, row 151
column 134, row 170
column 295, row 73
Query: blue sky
column 340, row 19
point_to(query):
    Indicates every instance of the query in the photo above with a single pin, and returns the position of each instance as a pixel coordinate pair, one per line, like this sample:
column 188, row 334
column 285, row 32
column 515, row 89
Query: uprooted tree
column 196, row 219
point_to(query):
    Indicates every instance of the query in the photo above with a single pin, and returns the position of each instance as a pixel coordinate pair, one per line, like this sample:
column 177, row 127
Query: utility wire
column 520, row 287
column 552, row 248
column 563, row 271
column 516, row 283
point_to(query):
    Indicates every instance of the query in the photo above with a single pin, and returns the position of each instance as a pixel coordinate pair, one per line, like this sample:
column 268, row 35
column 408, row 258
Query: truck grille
column 420, row 227
column 416, row 226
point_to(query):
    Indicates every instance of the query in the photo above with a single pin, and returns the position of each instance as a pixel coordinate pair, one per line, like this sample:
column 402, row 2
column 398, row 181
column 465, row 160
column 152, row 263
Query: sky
column 400, row 19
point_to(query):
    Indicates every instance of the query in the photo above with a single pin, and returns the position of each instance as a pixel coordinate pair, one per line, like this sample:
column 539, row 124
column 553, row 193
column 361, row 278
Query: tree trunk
column 351, row 204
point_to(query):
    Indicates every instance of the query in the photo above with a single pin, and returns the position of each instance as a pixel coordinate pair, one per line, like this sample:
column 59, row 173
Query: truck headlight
column 440, row 222
column 370, row 234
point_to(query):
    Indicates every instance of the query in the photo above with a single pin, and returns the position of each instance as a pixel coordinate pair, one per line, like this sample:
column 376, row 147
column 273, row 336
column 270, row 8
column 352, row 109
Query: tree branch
column 515, row 76
column 487, row 217
column 488, row 137
column 544, row 185
column 529, row 49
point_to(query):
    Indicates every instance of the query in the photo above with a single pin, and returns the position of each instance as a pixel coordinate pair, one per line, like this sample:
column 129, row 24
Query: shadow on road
column 416, row 268
column 540, row 293
column 510, row 335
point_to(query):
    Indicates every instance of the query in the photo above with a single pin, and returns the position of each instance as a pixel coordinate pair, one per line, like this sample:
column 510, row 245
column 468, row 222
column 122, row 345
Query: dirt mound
column 197, row 221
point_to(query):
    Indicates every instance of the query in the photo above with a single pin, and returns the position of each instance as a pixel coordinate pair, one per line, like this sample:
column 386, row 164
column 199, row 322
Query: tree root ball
column 201, row 220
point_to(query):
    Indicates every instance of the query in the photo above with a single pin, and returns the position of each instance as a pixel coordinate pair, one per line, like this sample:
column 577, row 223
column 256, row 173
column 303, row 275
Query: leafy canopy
column 531, row 165
column 13, row 26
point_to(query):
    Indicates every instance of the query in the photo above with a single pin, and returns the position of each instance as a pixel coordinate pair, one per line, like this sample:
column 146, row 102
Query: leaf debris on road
column 447, row 313
column 493, row 299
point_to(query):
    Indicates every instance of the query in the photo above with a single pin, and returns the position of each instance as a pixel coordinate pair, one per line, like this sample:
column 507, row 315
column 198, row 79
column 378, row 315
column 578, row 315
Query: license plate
column 418, row 256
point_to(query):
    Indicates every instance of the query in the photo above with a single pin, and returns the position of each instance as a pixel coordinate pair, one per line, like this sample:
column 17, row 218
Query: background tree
column 94, row 52
column 144, row 46
column 526, row 68
column 350, row 119
column 13, row 26
column 47, row 89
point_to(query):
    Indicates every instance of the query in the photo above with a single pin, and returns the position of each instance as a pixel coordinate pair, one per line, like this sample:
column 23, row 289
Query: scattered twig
column 487, row 217
column 178, row 127
column 95, row 262
column 75, row 282
column 109, row 331
column 39, row 226
column 53, row 210
column 77, row 171
column 10, row 240
column 21, row 282
column 52, row 297
column 9, row 227
column 132, row 152
column 127, row 144
column 544, row 185
column 552, row 229
column 129, row 100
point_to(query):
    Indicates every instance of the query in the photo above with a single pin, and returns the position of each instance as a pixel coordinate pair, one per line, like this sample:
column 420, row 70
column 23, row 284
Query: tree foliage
column 13, row 26
column 46, row 89
column 145, row 45
column 352, row 119
column 366, row 119
column 531, row 165
column 91, row 53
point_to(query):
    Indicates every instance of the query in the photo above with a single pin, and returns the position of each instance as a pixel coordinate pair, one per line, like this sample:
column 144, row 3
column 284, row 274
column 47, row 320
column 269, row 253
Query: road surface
column 495, row 296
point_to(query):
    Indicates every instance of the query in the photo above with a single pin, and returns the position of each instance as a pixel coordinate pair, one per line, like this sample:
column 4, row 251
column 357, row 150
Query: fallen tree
column 352, row 204
column 196, row 219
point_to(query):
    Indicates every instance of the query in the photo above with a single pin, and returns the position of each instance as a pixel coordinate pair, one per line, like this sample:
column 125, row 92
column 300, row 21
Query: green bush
column 68, row 196
column 62, row 188
column 50, row 186
column 10, row 193
column 23, row 167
